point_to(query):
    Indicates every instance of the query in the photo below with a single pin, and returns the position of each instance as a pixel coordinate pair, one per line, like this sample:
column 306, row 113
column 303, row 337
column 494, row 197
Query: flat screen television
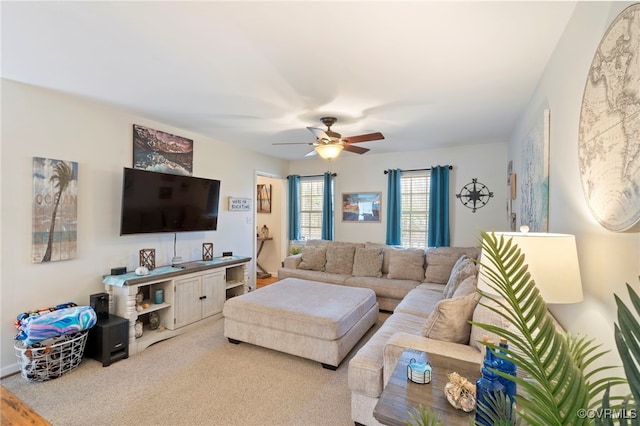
column 160, row 202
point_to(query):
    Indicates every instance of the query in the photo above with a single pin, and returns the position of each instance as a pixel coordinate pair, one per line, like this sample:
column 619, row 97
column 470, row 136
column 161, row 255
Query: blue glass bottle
column 507, row 366
column 487, row 385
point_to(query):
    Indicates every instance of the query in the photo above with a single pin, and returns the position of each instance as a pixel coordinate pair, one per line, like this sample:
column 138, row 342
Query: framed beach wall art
column 263, row 204
column 54, row 210
column 361, row 207
column 534, row 182
column 159, row 151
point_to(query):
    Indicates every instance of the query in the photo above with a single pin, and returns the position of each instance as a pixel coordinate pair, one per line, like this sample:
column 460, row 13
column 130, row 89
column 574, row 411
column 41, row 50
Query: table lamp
column 553, row 264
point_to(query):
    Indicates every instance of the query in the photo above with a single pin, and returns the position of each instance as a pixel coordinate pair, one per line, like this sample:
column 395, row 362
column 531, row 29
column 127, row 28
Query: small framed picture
column 361, row 207
column 263, row 204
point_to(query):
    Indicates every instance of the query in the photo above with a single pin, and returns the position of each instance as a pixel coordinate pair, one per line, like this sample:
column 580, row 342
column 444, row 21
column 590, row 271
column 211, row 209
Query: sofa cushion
column 463, row 268
column 365, row 374
column 367, row 262
column 340, row 259
column 406, row 264
column 449, row 321
column 419, row 302
column 440, row 261
column 313, row 258
column 383, row 287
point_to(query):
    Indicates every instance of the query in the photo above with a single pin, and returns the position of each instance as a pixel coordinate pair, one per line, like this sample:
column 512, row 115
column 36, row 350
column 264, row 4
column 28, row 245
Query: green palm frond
column 556, row 386
column 627, row 336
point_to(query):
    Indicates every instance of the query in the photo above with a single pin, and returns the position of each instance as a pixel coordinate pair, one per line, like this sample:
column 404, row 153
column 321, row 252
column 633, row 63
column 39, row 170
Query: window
column 415, row 208
column 311, row 190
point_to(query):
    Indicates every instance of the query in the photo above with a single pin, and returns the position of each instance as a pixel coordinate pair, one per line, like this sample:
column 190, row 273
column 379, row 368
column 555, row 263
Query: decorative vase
column 138, row 329
column 139, row 297
column 487, row 385
column 154, row 320
column 265, row 231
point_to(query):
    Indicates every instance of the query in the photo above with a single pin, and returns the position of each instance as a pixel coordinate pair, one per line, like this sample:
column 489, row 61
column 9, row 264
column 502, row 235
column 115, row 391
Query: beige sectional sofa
column 431, row 311
column 391, row 272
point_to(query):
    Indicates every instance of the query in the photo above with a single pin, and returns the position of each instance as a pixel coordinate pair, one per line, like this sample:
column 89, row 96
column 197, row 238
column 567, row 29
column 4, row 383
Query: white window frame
column 415, row 193
column 311, row 207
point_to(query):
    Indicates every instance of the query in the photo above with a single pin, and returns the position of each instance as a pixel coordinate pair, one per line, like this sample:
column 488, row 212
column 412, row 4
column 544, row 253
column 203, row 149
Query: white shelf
column 152, row 307
column 234, row 285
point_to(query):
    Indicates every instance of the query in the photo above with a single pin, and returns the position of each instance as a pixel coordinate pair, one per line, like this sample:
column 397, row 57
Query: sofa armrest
column 400, row 341
column 292, row 261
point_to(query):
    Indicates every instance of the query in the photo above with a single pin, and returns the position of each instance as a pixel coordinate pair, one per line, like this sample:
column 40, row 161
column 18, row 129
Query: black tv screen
column 162, row 202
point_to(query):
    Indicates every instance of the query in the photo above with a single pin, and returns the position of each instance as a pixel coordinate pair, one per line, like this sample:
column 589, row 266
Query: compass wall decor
column 474, row 195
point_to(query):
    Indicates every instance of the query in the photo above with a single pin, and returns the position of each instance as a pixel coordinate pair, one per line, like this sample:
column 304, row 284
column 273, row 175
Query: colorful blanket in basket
column 56, row 323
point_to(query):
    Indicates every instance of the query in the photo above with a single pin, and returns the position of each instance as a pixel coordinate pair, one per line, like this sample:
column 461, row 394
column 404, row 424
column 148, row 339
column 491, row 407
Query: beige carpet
column 197, row 378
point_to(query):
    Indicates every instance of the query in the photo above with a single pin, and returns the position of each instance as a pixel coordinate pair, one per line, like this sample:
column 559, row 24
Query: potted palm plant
column 561, row 383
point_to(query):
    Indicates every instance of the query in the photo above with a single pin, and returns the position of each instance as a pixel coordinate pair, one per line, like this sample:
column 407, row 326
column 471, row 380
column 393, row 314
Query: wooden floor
column 15, row 412
column 265, row 281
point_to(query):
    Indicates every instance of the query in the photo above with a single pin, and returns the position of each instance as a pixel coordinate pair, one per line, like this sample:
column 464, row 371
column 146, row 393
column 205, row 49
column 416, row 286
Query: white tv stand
column 192, row 294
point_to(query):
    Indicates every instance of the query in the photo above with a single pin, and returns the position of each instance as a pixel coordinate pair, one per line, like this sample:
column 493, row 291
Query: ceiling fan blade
column 319, row 133
column 364, row 138
column 356, row 149
column 311, row 154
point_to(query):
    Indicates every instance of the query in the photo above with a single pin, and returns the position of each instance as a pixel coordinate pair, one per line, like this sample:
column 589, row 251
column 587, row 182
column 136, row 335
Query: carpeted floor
column 197, row 378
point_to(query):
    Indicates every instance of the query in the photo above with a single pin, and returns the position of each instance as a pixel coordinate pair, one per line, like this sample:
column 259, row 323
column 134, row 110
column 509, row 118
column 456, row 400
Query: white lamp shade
column 553, row 265
column 329, row 151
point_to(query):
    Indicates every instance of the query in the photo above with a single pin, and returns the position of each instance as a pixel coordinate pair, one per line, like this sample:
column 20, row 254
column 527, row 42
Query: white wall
column 43, row 123
column 365, row 173
column 607, row 259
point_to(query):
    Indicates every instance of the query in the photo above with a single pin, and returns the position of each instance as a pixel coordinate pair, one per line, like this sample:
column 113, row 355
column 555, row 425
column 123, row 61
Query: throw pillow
column 313, row 258
column 449, row 320
column 467, row 287
column 385, row 254
column 407, row 264
column 340, row 259
column 367, row 262
column 463, row 268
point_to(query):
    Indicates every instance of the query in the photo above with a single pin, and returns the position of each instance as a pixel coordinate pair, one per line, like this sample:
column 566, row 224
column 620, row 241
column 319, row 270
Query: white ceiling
column 425, row 74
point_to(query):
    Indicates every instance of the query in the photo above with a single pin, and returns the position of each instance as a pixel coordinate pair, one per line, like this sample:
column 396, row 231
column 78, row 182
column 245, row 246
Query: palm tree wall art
column 55, row 210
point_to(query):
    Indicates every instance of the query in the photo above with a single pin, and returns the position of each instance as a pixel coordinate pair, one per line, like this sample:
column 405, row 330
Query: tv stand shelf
column 192, row 293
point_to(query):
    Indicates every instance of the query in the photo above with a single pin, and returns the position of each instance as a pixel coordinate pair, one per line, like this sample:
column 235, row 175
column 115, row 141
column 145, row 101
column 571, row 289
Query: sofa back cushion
column 340, row 259
column 313, row 258
column 367, row 262
column 406, row 264
column 449, row 320
column 440, row 261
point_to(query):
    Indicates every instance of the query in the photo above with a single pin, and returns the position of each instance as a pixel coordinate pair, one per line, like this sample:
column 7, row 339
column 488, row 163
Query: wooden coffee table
column 401, row 396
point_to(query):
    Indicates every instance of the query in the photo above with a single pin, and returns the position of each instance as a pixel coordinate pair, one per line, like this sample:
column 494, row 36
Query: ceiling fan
column 329, row 144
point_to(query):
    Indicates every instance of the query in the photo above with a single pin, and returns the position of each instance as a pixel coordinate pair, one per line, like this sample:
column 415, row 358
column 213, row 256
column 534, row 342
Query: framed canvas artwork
column 55, row 210
column 361, row 207
column 158, row 151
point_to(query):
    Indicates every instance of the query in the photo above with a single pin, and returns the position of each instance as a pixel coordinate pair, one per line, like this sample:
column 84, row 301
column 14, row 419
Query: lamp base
column 176, row 260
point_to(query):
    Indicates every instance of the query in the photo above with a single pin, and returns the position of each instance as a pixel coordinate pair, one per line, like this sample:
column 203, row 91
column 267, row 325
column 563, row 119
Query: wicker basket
column 51, row 358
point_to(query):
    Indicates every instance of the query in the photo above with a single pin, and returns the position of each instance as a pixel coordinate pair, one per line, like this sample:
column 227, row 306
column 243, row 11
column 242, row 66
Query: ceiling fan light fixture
column 329, row 151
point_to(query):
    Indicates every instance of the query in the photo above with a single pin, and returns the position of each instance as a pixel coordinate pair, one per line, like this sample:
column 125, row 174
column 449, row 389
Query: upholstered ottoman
column 313, row 320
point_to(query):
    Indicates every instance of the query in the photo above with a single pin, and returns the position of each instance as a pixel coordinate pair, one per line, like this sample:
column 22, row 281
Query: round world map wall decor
column 609, row 134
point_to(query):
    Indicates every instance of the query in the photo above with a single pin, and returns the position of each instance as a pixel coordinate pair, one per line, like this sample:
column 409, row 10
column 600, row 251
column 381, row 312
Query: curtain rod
column 308, row 176
column 416, row 170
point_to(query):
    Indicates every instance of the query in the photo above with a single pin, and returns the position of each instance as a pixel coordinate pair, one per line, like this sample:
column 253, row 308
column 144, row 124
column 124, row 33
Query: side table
column 262, row 273
column 401, row 396
column 108, row 340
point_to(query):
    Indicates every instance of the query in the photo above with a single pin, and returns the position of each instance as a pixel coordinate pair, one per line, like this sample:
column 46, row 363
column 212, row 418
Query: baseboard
column 9, row 370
